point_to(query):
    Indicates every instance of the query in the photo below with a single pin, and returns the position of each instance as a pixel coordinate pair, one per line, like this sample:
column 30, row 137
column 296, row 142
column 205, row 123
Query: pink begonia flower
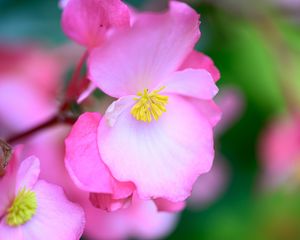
column 280, row 151
column 140, row 220
column 152, row 135
column 35, row 209
column 89, row 22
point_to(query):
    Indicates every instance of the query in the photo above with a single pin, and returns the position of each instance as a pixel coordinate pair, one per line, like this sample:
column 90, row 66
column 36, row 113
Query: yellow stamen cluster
column 22, row 209
column 149, row 105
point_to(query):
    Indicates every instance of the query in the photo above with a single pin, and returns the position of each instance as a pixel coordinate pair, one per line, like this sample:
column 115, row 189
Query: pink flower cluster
column 140, row 158
column 156, row 138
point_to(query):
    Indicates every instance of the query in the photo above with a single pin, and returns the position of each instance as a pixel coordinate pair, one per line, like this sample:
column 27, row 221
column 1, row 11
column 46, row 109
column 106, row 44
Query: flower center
column 149, row 105
column 22, row 209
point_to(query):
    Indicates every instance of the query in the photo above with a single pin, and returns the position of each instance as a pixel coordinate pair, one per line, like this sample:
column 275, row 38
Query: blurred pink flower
column 210, row 186
column 148, row 156
column 29, row 83
column 140, row 220
column 280, row 151
column 89, row 22
column 231, row 102
column 32, row 208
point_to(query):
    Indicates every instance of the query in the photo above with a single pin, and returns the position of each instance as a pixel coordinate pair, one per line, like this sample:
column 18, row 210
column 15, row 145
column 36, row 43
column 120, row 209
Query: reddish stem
column 60, row 118
column 75, row 85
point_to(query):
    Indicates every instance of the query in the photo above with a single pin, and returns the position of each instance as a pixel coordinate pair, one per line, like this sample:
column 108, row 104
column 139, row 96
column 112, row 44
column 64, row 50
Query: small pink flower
column 89, row 22
column 34, row 209
column 140, row 220
column 280, row 151
column 153, row 139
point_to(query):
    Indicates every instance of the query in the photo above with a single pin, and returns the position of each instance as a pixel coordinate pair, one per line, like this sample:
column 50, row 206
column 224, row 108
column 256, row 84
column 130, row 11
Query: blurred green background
column 242, row 40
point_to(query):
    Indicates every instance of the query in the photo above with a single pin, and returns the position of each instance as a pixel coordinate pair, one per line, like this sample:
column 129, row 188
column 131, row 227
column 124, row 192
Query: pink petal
column 147, row 223
column 56, row 217
column 191, row 83
column 108, row 203
column 48, row 146
column 161, row 162
column 28, row 173
column 199, row 60
column 83, row 161
column 147, row 53
column 168, row 206
column 7, row 232
column 209, row 109
column 117, row 107
column 140, row 220
column 88, row 21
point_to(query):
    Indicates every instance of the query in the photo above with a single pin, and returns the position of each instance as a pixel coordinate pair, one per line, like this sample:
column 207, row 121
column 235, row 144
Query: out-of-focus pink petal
column 172, row 159
column 28, row 173
column 155, row 224
column 18, row 100
column 56, row 217
column 140, row 220
column 191, row 83
column 83, row 161
column 209, row 186
column 231, row 102
column 108, row 203
column 280, row 148
column 33, row 75
column 168, row 206
column 199, row 60
column 145, row 54
column 88, row 21
column 48, row 146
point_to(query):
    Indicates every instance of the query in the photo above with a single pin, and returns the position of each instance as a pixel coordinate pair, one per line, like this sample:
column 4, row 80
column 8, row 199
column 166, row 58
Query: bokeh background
column 256, row 46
